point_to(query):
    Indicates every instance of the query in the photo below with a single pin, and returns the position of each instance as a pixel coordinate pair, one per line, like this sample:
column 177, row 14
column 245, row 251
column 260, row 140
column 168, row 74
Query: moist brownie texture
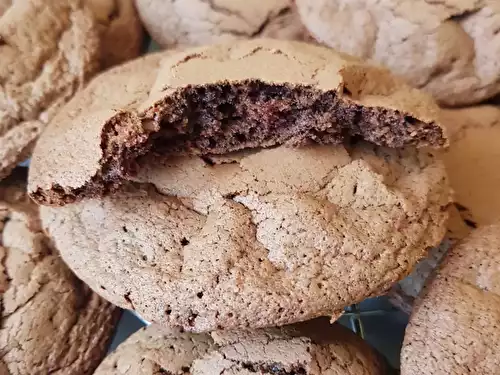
column 403, row 294
column 224, row 98
column 313, row 348
column 473, row 162
column 120, row 30
column 183, row 23
column 454, row 326
column 448, row 48
column 236, row 241
column 51, row 322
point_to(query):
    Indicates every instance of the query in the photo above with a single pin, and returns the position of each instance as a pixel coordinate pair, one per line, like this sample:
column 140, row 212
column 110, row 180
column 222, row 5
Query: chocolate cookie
column 48, row 49
column 224, row 98
column 184, row 23
column 453, row 328
column 448, row 48
column 236, row 241
column 51, row 321
column 313, row 348
column 403, row 294
column 472, row 162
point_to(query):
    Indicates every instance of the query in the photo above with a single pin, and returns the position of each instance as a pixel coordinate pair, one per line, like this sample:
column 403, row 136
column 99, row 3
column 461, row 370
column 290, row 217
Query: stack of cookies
column 238, row 187
column 239, row 192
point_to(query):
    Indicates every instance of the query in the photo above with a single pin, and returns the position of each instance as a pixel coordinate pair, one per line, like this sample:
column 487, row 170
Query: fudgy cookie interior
column 221, row 118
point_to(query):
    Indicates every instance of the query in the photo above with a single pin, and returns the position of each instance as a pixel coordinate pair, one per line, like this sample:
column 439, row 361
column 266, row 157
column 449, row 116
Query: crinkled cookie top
column 51, row 321
column 47, row 50
column 448, row 48
column 473, row 161
column 184, row 23
column 258, row 238
column 454, row 326
column 218, row 99
column 291, row 350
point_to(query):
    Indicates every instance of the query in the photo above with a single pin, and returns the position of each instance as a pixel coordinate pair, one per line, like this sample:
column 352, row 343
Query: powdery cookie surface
column 225, row 98
column 472, row 161
column 51, row 322
column 314, row 348
column 237, row 241
column 403, row 294
column 449, row 48
column 454, row 327
column 184, row 23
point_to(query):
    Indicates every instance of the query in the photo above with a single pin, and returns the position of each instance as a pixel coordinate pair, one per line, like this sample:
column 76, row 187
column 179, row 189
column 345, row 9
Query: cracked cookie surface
column 454, row 326
column 51, row 322
column 219, row 99
column 456, row 43
column 233, row 240
column 403, row 294
column 185, row 23
column 48, row 50
column 313, row 348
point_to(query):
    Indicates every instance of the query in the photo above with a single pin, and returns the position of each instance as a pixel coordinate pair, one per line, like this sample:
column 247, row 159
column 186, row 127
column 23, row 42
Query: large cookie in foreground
column 453, row 328
column 52, row 323
column 236, row 241
column 313, row 348
column 448, row 48
column 473, row 161
column 184, row 23
column 224, row 98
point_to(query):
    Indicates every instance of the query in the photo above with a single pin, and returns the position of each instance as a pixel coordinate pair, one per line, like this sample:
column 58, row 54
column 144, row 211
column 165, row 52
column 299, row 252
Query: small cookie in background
column 454, row 325
column 450, row 49
column 51, row 321
column 473, row 161
column 312, row 348
column 403, row 294
column 48, row 51
column 120, row 30
column 184, row 23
